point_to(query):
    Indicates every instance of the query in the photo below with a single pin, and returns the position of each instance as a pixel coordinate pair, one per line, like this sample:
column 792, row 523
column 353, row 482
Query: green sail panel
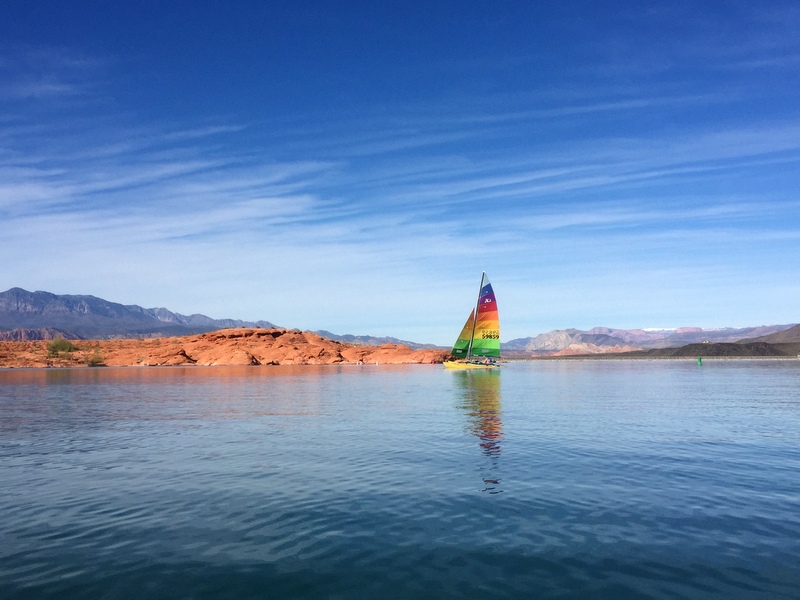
column 461, row 347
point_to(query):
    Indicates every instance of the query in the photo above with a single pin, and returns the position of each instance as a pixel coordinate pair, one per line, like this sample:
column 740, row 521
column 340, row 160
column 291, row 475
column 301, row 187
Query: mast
column 475, row 316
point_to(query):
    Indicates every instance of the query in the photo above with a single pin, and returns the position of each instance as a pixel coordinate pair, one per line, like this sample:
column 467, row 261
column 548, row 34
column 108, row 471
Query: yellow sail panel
column 461, row 347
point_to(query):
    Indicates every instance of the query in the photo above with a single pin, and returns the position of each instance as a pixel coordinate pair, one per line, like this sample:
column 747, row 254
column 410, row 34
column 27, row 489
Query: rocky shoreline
column 239, row 346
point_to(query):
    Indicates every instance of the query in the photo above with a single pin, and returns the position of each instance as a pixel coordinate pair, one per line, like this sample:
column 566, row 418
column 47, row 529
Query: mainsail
column 481, row 333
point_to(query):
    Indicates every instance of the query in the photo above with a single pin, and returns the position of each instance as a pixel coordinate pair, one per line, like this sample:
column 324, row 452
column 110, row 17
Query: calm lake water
column 595, row 479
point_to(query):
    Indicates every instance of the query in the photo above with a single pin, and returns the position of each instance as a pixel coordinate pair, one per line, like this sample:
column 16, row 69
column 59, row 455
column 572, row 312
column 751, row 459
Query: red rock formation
column 223, row 347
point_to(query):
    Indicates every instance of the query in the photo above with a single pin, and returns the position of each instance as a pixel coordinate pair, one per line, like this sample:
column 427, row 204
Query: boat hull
column 449, row 364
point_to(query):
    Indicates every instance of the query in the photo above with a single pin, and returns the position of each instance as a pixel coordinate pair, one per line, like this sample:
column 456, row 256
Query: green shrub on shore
column 95, row 360
column 59, row 345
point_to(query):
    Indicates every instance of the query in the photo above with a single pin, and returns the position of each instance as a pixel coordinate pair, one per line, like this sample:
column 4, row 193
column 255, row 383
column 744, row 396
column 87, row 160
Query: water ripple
column 551, row 480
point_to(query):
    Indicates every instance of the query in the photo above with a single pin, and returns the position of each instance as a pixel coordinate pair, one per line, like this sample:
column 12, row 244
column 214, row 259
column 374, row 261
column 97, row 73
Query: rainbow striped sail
column 481, row 334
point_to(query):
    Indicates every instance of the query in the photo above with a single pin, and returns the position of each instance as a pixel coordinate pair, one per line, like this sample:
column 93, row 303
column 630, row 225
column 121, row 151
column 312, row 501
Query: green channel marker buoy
column 699, row 361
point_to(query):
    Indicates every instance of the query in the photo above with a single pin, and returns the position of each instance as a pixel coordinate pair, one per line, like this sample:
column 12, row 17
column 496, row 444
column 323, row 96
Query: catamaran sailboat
column 478, row 344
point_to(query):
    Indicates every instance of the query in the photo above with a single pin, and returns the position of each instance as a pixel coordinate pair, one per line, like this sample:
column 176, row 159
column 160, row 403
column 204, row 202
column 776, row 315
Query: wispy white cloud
column 588, row 203
column 203, row 132
column 40, row 89
column 43, row 73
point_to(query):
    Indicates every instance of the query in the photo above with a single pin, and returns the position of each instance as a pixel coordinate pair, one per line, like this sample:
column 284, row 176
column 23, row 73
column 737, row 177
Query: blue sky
column 354, row 166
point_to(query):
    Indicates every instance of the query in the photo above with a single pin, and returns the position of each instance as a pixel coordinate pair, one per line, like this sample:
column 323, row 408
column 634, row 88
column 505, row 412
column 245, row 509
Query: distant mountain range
column 603, row 340
column 43, row 315
column 368, row 340
column 786, row 336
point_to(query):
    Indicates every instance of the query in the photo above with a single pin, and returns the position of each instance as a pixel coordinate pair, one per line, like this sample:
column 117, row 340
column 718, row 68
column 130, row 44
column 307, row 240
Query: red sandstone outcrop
column 223, row 347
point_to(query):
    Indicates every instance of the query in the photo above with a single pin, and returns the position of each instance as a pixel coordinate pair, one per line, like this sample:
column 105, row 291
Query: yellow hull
column 450, row 364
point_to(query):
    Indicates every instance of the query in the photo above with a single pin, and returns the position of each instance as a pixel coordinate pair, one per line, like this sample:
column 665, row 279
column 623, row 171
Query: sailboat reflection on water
column 482, row 404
